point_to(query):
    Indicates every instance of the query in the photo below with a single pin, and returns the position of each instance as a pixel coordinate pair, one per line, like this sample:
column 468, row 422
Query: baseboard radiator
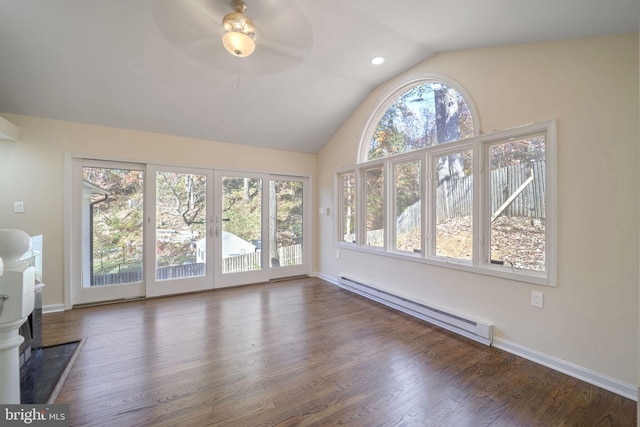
column 470, row 328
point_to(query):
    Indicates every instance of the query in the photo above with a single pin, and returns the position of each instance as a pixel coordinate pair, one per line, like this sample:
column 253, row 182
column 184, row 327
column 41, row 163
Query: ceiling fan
column 279, row 36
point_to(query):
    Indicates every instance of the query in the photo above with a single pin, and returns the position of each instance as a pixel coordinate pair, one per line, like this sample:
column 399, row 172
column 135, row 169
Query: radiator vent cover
column 470, row 328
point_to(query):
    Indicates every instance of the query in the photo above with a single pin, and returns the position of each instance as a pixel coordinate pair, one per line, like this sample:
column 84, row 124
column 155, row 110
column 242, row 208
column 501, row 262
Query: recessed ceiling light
column 377, row 60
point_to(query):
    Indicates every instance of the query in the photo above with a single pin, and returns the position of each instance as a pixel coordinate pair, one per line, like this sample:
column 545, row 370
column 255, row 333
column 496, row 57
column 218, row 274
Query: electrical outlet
column 18, row 207
column 337, row 254
column 537, row 299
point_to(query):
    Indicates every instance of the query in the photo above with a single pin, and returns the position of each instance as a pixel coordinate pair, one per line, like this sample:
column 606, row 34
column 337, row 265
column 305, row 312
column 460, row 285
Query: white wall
column 591, row 87
column 32, row 169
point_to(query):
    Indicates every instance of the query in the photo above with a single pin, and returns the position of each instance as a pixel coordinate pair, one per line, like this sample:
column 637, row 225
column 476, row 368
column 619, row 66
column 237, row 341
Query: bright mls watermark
column 34, row 415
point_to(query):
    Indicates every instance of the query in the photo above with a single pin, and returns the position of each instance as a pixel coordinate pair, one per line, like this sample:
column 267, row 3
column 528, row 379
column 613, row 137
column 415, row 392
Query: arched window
column 429, row 188
column 419, row 115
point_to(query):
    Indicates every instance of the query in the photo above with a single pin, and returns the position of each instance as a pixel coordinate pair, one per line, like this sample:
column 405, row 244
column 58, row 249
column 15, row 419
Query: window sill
column 536, row 278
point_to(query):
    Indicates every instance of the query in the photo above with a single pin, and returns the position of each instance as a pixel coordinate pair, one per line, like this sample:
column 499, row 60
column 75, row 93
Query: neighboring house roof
column 232, row 245
column 94, row 189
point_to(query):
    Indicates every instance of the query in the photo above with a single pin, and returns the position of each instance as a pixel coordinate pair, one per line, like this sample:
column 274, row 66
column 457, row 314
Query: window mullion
column 388, row 205
column 361, row 201
column 424, row 185
column 479, row 203
column 430, row 207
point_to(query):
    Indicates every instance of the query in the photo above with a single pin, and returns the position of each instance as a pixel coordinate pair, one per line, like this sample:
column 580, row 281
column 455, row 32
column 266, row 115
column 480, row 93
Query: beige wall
column 591, row 87
column 32, row 169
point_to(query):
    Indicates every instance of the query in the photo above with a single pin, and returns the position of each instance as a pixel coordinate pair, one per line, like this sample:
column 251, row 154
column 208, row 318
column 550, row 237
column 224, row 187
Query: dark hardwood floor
column 303, row 352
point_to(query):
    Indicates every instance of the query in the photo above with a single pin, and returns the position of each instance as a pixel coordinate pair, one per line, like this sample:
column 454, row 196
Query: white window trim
column 339, row 207
column 361, row 200
column 392, row 229
column 480, row 263
column 389, row 97
column 432, row 157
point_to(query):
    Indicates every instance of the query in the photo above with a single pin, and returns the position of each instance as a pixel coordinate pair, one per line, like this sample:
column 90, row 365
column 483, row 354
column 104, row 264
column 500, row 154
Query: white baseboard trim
column 330, row 279
column 52, row 308
column 611, row 384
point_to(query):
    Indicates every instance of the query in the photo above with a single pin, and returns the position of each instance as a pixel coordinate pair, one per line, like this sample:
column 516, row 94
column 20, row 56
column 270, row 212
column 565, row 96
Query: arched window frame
column 480, row 147
column 391, row 96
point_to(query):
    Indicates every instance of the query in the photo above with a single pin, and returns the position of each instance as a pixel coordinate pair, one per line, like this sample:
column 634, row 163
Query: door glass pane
column 112, row 218
column 285, row 223
column 454, row 206
column 408, row 196
column 241, row 224
column 181, row 212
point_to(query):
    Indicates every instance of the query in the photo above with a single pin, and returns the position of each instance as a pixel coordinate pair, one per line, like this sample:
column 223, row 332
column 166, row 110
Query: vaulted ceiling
column 159, row 65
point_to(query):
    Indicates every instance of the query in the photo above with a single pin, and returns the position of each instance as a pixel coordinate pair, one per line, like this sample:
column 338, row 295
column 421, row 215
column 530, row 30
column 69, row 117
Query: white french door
column 260, row 227
column 288, row 234
column 179, row 230
column 107, row 231
column 238, row 222
column 141, row 230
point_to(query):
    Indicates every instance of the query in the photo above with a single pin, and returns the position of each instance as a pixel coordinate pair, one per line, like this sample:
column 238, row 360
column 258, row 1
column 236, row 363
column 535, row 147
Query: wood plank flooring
column 306, row 353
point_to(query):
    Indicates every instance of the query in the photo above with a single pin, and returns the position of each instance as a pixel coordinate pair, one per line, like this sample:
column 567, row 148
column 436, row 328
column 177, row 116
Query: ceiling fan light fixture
column 239, row 36
column 238, row 44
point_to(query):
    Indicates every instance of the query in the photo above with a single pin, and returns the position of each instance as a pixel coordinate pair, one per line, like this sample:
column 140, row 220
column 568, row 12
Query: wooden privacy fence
column 516, row 190
column 530, row 202
column 454, row 197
